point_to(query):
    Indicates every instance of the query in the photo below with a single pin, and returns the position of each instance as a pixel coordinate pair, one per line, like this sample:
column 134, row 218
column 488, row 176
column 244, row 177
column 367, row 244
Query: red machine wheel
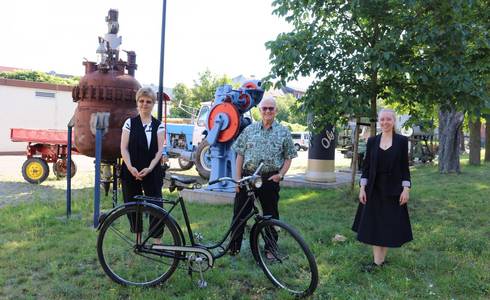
column 59, row 168
column 247, row 101
column 35, row 170
column 233, row 117
column 249, row 85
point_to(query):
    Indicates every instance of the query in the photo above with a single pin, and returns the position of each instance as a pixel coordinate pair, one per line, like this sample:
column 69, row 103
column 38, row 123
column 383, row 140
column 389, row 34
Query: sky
column 224, row 36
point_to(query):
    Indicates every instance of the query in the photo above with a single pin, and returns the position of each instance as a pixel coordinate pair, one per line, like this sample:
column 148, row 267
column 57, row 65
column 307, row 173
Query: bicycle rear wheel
column 284, row 257
column 126, row 260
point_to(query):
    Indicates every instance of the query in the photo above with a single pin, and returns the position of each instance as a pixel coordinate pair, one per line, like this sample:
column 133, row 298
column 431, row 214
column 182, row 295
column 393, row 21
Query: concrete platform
column 299, row 181
column 294, row 181
column 209, row 197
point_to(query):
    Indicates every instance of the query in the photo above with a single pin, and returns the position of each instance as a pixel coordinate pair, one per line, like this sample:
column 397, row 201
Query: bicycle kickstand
column 201, row 283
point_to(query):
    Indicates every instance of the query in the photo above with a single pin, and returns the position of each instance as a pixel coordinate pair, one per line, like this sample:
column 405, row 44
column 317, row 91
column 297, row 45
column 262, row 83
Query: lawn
column 44, row 256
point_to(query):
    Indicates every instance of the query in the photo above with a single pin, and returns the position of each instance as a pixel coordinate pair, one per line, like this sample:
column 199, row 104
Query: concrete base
column 294, row 181
column 340, row 179
column 209, row 197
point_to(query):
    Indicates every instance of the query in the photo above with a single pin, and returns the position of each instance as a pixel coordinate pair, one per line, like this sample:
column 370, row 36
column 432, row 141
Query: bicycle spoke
column 122, row 235
column 282, row 256
column 125, row 261
column 154, row 259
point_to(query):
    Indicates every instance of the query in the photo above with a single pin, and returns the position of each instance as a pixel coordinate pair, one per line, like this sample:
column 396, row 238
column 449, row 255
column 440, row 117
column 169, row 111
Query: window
column 45, row 94
column 203, row 116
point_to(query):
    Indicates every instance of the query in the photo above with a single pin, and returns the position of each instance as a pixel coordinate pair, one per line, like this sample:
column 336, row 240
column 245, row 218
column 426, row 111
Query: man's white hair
column 268, row 99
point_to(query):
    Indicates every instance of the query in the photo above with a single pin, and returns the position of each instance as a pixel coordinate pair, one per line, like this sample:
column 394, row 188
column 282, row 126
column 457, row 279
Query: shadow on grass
column 14, row 193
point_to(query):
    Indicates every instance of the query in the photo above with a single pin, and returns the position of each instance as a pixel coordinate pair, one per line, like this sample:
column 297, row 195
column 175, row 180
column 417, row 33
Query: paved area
column 14, row 188
column 295, row 180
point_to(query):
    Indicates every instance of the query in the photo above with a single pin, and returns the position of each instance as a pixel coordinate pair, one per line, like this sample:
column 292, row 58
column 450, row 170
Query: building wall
column 32, row 105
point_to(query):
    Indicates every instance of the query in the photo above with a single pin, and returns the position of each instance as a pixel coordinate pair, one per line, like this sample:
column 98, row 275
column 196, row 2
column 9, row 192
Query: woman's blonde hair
column 146, row 92
column 393, row 114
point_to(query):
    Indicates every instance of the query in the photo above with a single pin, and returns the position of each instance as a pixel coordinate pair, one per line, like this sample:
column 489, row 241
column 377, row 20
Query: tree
column 188, row 100
column 207, row 83
column 487, row 137
column 474, row 125
column 287, row 110
column 346, row 46
column 38, row 76
column 183, row 102
column 409, row 52
column 445, row 64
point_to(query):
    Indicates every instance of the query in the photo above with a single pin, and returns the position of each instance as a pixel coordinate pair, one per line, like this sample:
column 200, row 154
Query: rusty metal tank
column 106, row 87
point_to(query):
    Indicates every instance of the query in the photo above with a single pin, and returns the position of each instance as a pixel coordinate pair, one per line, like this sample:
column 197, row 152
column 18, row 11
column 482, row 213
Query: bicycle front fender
column 253, row 237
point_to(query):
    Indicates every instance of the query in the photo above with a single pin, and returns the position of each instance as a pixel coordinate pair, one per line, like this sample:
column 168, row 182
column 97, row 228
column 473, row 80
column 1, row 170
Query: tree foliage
column 38, row 76
column 287, row 110
column 188, row 100
column 346, row 45
column 422, row 56
column 183, row 101
column 444, row 57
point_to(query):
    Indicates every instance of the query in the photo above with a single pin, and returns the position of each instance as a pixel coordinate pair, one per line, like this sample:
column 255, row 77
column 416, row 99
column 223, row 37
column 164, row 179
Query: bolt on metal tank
column 108, row 86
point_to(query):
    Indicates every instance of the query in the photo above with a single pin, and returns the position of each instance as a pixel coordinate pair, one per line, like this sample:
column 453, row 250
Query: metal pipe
column 114, row 183
column 68, row 174
column 98, row 154
column 162, row 54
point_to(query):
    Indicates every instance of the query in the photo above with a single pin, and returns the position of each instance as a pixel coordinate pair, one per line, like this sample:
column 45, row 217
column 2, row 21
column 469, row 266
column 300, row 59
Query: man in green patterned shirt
column 268, row 142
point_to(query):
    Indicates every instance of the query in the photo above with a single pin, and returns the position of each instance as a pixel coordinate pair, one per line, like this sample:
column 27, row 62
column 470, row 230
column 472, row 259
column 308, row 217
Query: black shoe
column 233, row 252
column 371, row 267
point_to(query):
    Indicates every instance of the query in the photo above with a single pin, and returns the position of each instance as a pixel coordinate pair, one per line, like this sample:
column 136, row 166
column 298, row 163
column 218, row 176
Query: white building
column 32, row 105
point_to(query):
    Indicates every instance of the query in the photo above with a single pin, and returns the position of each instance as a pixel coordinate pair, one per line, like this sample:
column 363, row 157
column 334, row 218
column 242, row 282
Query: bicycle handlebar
column 256, row 173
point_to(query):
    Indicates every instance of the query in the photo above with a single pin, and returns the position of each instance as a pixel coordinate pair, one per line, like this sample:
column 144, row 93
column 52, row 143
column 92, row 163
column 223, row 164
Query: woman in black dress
column 382, row 217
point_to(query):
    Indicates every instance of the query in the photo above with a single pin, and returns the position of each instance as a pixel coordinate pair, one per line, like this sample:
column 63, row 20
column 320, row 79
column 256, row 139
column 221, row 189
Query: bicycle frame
column 291, row 253
column 195, row 247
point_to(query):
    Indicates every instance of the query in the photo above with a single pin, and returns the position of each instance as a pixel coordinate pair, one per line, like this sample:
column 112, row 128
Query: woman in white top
column 141, row 149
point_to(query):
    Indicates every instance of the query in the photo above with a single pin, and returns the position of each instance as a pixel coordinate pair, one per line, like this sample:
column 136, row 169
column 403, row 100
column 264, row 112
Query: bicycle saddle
column 184, row 180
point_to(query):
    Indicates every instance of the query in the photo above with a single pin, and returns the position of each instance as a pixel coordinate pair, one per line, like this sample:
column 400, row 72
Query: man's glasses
column 267, row 108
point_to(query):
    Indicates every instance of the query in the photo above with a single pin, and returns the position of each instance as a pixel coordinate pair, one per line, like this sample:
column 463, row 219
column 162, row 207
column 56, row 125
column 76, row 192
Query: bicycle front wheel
column 284, row 257
column 125, row 257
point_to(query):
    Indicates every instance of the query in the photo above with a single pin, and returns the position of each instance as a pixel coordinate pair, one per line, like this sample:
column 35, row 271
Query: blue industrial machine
column 187, row 143
column 225, row 122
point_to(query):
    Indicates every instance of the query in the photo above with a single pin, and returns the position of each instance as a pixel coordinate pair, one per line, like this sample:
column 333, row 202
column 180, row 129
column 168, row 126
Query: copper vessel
column 106, row 87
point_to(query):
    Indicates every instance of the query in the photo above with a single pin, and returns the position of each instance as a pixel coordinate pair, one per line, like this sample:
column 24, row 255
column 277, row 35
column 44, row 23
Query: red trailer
column 43, row 147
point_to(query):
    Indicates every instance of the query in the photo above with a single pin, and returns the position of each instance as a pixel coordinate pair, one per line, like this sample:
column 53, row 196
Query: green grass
column 44, row 256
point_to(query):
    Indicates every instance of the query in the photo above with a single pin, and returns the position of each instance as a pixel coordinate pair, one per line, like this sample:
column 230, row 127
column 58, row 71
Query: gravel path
column 14, row 189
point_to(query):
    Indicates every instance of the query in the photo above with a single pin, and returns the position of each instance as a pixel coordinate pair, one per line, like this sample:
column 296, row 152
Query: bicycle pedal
column 198, row 236
column 201, row 283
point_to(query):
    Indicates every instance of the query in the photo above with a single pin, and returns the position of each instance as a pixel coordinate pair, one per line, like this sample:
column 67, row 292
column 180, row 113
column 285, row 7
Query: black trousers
column 151, row 185
column 268, row 196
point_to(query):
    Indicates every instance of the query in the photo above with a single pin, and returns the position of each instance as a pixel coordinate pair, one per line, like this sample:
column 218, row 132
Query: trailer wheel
column 185, row 164
column 35, row 170
column 203, row 159
column 59, row 168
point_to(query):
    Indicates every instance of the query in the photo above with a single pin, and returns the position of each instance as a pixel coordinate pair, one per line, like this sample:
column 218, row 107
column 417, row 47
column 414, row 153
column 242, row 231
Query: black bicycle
column 141, row 244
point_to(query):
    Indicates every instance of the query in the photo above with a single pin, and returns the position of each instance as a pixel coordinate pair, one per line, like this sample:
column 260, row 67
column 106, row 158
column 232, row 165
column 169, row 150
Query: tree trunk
column 374, row 109
column 475, row 139
column 374, row 118
column 355, row 151
column 462, row 148
column 487, row 138
column 450, row 123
